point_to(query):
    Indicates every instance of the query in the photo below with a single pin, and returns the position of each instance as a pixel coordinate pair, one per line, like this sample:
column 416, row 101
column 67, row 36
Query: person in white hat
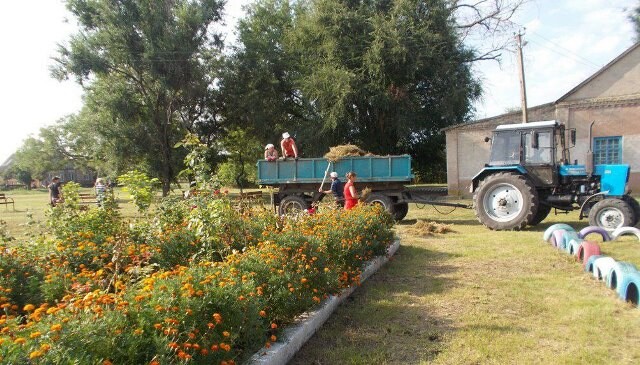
column 288, row 146
column 336, row 189
column 270, row 152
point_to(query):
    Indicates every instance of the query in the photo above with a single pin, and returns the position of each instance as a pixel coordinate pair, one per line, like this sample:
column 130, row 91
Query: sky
column 566, row 42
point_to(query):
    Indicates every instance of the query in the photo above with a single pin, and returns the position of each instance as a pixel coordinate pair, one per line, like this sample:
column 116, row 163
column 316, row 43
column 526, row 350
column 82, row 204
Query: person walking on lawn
column 55, row 196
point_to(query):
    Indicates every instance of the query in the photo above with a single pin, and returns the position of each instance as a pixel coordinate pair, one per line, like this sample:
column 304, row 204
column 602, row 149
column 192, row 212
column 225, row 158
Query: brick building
column 610, row 98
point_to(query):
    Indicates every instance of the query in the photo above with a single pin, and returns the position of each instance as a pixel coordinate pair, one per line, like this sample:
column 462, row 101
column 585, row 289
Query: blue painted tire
column 567, row 237
column 586, row 250
column 630, row 288
column 621, row 231
column 588, row 267
column 602, row 266
column 618, row 273
column 594, row 229
column 557, row 237
column 571, row 248
column 549, row 231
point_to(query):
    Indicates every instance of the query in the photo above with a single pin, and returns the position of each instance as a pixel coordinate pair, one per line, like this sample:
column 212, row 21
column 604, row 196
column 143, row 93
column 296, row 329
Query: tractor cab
column 537, row 147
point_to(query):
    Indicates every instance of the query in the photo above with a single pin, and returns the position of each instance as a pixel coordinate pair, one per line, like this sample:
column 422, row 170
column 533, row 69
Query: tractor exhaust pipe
column 589, row 161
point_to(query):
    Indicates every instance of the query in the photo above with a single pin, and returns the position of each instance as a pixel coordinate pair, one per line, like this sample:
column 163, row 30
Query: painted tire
column 549, row 231
column 594, row 229
column 602, row 266
column 618, row 273
column 586, row 250
column 588, row 267
column 567, row 237
column 625, row 231
column 629, row 289
column 572, row 247
column 557, row 237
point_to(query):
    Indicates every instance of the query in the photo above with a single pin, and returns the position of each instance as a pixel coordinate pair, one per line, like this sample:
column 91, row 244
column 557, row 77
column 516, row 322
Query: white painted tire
column 572, row 247
column 621, row 231
column 602, row 266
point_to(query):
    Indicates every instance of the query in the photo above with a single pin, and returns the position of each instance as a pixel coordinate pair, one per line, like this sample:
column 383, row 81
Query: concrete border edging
column 296, row 335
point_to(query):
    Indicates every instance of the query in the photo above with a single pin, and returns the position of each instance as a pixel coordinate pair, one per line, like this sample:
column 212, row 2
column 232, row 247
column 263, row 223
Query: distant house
column 610, row 97
column 84, row 177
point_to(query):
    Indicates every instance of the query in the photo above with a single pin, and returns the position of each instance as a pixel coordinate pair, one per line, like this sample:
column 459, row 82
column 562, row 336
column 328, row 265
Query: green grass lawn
column 465, row 297
column 479, row 296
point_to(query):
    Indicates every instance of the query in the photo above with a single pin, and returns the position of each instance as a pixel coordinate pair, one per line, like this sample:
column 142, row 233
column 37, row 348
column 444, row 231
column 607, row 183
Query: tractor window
column 505, row 149
column 542, row 154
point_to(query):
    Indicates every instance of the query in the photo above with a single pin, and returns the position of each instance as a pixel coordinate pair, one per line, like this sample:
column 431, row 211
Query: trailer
column 297, row 182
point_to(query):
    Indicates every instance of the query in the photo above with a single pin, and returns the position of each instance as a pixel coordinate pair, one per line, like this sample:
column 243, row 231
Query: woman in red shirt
column 350, row 194
column 288, row 146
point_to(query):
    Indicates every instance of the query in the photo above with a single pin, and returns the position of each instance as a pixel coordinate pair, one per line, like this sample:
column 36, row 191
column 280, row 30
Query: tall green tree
column 147, row 67
column 386, row 75
column 635, row 19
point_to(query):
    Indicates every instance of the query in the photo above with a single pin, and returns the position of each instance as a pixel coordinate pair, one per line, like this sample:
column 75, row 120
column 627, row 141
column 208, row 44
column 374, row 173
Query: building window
column 607, row 150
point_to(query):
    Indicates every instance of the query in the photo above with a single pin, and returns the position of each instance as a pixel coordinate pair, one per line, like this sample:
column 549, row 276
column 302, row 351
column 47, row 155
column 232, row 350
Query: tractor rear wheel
column 505, row 201
column 541, row 214
column 612, row 213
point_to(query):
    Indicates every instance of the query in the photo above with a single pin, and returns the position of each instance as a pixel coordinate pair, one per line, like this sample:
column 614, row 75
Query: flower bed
column 201, row 281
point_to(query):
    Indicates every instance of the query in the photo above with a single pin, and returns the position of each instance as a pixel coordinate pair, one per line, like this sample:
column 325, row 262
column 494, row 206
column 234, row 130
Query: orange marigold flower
column 35, row 354
column 19, row 341
column 45, row 347
column 107, row 362
column 217, row 317
column 263, row 314
column 154, row 362
column 29, row 307
column 274, row 326
column 138, row 331
column 273, row 338
column 157, row 326
column 35, row 334
column 214, row 347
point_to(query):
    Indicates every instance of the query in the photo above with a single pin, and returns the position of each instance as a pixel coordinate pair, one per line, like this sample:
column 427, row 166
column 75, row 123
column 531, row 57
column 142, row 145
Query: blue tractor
column 530, row 173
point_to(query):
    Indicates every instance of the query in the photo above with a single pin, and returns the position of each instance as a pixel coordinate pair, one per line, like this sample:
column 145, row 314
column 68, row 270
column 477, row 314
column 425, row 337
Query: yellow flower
column 29, row 307
column 35, row 335
column 35, row 354
column 56, row 327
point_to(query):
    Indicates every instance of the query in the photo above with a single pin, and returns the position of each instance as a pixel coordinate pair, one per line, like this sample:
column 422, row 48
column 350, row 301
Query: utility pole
column 523, row 87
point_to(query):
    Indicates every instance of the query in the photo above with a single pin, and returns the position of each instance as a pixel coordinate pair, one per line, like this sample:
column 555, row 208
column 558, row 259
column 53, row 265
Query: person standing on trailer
column 336, row 189
column 288, row 146
column 350, row 194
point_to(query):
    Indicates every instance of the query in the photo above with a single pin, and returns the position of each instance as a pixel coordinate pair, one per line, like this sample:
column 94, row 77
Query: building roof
column 562, row 98
column 599, row 72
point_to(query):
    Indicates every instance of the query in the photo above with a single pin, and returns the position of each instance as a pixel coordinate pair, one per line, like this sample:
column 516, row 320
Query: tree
column 635, row 19
column 151, row 60
column 386, row 75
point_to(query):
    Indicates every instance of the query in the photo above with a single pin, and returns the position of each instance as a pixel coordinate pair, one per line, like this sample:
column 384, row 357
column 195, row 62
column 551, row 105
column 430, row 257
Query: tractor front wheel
column 611, row 214
column 505, row 201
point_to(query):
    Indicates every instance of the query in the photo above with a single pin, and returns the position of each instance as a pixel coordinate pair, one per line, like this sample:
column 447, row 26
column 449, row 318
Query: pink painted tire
column 557, row 237
column 586, row 250
column 594, row 229
column 549, row 231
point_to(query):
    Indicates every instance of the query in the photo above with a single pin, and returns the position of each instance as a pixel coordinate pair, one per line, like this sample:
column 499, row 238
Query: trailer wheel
column 292, row 204
column 541, row 214
column 383, row 200
column 400, row 211
column 505, row 201
column 611, row 214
